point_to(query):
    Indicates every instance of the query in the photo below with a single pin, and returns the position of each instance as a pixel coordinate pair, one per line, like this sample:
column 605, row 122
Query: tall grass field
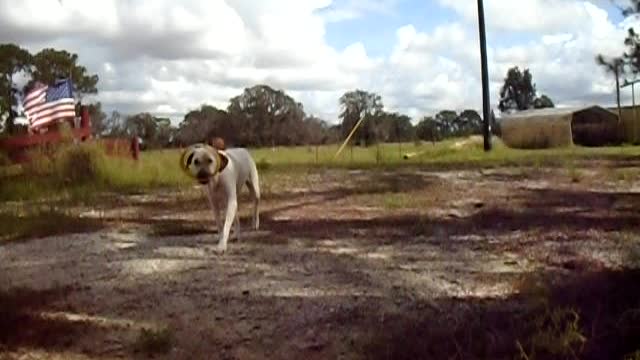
column 81, row 171
column 36, row 197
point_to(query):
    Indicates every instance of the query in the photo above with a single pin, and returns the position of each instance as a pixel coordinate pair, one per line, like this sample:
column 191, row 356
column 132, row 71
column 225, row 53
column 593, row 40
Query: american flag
column 45, row 104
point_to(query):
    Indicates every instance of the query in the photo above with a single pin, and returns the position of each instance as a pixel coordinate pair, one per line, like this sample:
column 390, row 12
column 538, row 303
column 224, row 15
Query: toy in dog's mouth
column 203, row 177
column 204, row 180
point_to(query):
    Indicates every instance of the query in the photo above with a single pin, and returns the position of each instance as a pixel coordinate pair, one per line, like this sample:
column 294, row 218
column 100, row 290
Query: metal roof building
column 557, row 127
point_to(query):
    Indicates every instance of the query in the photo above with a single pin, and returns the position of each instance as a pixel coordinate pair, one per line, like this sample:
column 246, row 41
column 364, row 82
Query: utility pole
column 486, row 102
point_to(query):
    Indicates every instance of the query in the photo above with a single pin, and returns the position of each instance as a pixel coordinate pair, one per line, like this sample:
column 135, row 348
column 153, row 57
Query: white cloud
column 168, row 57
column 528, row 15
column 342, row 10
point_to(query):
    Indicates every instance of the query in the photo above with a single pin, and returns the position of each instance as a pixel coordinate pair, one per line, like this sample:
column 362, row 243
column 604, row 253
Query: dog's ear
column 224, row 161
column 185, row 160
column 190, row 159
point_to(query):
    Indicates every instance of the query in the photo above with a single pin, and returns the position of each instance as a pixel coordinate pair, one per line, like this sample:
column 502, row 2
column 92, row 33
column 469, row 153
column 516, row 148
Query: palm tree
column 613, row 66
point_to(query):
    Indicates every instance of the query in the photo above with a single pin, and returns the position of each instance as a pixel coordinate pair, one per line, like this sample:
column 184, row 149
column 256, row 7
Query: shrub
column 4, row 159
column 78, row 164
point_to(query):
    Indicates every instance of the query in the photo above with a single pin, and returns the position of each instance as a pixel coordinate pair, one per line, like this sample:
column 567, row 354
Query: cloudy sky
column 167, row 56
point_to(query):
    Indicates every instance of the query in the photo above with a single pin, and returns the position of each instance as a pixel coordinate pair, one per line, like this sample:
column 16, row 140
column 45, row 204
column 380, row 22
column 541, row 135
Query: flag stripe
column 45, row 107
column 35, row 93
column 52, row 117
column 53, row 114
column 46, row 104
column 28, row 106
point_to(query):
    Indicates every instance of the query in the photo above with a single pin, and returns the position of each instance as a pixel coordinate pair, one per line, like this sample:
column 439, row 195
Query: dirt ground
column 347, row 264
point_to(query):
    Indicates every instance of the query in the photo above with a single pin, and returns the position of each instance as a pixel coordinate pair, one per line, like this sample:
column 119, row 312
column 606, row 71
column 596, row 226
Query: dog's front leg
column 213, row 203
column 230, row 214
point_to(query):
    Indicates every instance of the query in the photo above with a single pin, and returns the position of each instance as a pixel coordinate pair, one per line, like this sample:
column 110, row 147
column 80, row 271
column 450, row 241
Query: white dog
column 223, row 173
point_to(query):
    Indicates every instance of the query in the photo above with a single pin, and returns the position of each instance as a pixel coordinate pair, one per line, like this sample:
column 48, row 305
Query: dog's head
column 201, row 162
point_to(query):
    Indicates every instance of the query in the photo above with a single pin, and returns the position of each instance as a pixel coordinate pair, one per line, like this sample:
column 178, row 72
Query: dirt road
column 341, row 257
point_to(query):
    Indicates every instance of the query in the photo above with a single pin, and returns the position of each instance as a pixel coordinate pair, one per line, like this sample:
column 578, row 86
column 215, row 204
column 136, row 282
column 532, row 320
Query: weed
column 263, row 165
column 633, row 356
column 556, row 330
column 43, row 222
column 4, row 159
column 154, row 341
column 574, row 174
column 177, row 228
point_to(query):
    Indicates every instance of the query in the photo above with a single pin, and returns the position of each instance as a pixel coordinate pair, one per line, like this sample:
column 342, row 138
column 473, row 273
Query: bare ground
column 347, row 264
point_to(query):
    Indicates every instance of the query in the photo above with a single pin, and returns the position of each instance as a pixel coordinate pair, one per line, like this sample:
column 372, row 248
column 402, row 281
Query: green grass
column 441, row 155
column 73, row 175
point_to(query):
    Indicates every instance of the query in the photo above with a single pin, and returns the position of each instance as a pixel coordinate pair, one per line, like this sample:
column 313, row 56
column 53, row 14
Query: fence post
column 135, row 148
column 352, row 153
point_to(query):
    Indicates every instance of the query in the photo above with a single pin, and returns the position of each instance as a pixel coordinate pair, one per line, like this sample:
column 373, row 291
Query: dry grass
column 537, row 133
column 154, row 341
column 43, row 222
column 177, row 228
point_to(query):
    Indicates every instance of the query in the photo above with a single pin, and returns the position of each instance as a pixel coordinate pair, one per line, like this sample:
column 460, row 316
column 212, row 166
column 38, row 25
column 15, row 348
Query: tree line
column 259, row 116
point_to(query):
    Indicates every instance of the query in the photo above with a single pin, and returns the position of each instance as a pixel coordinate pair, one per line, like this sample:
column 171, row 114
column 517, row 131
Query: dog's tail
column 217, row 142
column 255, row 181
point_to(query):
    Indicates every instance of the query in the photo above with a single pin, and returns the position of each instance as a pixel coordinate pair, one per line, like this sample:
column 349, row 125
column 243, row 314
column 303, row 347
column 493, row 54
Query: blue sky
column 378, row 31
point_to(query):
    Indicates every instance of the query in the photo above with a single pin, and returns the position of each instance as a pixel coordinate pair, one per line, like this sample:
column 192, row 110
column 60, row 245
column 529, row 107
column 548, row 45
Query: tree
column 427, row 129
column 397, row 127
column 204, row 123
column 356, row 105
column 631, row 7
column 115, row 125
column 468, row 123
column 446, row 120
column 154, row 132
column 98, row 119
column 46, row 66
column 13, row 59
column 613, row 66
column 543, row 102
column 266, row 116
column 51, row 64
column 317, row 131
column 518, row 91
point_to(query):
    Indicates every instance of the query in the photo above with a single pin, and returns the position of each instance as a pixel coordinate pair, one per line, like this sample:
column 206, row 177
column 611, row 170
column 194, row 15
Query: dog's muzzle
column 203, row 177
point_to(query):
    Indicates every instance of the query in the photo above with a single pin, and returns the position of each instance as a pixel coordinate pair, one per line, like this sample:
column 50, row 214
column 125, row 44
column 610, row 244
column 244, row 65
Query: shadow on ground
column 21, row 323
column 589, row 316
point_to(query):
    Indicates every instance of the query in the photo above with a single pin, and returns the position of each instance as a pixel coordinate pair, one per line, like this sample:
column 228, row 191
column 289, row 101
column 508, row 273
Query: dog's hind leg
column 254, row 189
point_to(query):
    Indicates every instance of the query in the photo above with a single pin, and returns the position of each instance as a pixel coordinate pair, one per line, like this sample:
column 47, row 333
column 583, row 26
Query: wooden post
column 351, row 152
column 135, row 148
column 85, row 121
column 635, row 115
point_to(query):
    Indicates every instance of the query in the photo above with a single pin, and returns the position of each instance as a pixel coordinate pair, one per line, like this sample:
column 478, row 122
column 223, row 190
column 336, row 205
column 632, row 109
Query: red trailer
column 17, row 147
